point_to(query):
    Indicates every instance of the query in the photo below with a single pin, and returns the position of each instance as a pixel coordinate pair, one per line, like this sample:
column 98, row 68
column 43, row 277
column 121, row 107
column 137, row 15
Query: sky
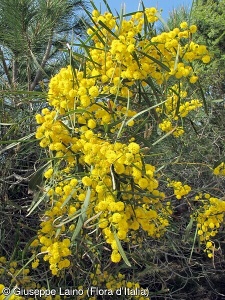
column 132, row 5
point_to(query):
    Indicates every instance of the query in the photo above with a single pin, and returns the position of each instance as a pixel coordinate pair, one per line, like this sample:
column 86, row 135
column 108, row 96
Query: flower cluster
column 124, row 193
column 220, row 169
column 112, row 282
column 56, row 253
column 180, row 189
column 16, row 275
column 115, row 64
column 98, row 171
column 175, row 108
column 209, row 218
column 13, row 268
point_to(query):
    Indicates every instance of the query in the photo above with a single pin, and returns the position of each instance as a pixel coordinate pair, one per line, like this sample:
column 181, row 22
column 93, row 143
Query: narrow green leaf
column 17, row 142
column 144, row 111
column 217, row 101
column 58, row 231
column 166, row 27
column 203, row 97
column 86, row 49
column 68, row 197
column 69, row 219
column 37, row 64
column 164, row 136
column 193, row 245
column 158, row 62
column 146, row 23
column 95, row 32
column 13, row 128
column 156, row 92
column 143, row 6
column 178, row 102
column 36, row 178
column 140, row 126
column 123, row 123
column 188, row 230
column 80, row 55
column 108, row 29
column 8, row 124
column 111, row 125
column 121, row 16
column 121, row 251
column 76, row 111
column 83, row 215
column 32, row 93
column 35, row 203
column 134, row 54
column 92, row 3
column 131, row 13
column 107, row 6
column 193, row 126
column 177, row 57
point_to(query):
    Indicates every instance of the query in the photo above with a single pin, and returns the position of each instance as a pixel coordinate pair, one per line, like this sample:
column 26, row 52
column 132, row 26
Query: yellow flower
column 48, row 173
column 85, row 100
column 193, row 28
column 134, row 148
column 1, row 289
column 103, row 223
column 87, row 181
column 206, row 59
column 130, row 48
column 35, row 264
column 193, row 79
column 143, row 183
column 115, row 256
column 116, row 217
column 122, row 234
column 93, row 91
column 131, row 123
column 91, row 123
column 183, row 25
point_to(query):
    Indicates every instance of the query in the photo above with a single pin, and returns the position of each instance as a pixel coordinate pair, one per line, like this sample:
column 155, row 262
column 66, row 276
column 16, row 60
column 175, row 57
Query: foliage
column 31, row 35
column 177, row 16
column 20, row 157
column 126, row 190
column 209, row 18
